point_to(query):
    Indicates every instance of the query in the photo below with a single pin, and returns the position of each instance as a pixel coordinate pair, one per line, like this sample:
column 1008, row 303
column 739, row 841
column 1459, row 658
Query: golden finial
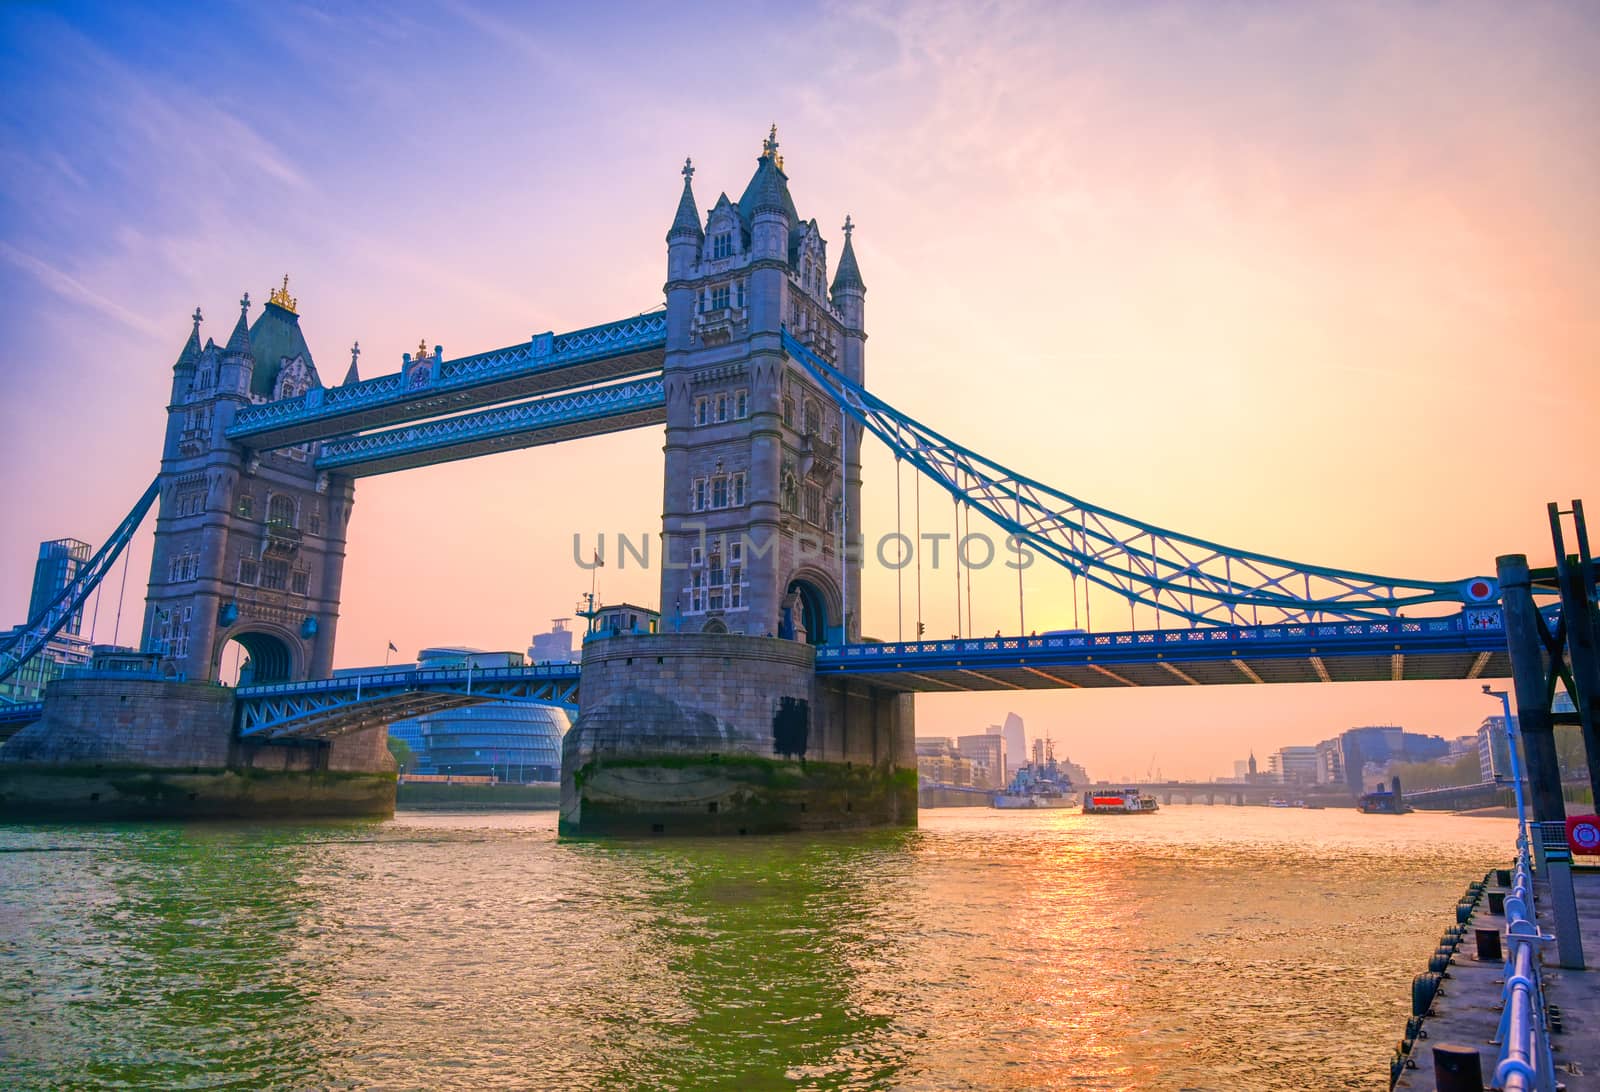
column 422, row 347
column 281, row 297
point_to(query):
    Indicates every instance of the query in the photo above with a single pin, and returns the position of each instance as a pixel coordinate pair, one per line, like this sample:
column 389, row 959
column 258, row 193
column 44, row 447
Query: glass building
column 512, row 740
column 58, row 565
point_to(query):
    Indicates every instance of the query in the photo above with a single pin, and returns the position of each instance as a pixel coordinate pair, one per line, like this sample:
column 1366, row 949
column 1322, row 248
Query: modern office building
column 1295, row 765
column 988, row 754
column 511, row 740
column 554, row 647
column 1016, row 742
column 58, row 565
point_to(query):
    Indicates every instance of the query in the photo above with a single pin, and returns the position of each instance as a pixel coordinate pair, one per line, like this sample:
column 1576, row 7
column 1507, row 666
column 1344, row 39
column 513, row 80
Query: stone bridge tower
column 249, row 545
column 720, row 723
column 762, row 503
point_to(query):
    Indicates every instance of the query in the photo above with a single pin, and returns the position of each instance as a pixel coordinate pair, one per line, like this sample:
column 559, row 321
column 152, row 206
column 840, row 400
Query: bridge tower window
column 721, row 244
column 702, row 410
column 738, row 489
column 274, row 574
column 719, row 298
column 741, row 404
column 249, row 570
column 280, row 511
column 722, row 408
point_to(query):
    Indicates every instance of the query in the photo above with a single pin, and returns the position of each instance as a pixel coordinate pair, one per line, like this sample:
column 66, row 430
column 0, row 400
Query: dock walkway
column 1466, row 1010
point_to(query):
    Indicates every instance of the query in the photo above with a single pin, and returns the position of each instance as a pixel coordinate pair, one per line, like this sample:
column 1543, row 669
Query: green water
column 1214, row 948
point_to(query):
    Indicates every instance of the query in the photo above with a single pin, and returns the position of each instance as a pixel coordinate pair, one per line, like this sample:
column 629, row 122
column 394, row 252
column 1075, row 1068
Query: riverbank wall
column 138, row 748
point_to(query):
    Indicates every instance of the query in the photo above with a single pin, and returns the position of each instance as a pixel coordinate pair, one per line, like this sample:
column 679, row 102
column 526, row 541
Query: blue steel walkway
column 1469, row 645
column 324, row 708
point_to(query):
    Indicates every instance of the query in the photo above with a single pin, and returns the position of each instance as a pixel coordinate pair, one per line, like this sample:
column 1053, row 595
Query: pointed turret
column 687, row 222
column 768, row 190
column 191, row 348
column 238, row 361
column 353, row 375
column 239, row 340
column 848, row 275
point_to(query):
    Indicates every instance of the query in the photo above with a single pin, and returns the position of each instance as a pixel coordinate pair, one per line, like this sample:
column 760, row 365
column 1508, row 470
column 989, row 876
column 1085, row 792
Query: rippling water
column 1215, row 948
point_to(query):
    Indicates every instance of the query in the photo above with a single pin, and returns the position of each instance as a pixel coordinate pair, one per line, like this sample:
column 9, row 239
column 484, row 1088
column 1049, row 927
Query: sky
column 1311, row 280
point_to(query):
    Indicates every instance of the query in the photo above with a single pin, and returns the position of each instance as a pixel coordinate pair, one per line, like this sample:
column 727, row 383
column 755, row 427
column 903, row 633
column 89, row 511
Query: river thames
column 1199, row 948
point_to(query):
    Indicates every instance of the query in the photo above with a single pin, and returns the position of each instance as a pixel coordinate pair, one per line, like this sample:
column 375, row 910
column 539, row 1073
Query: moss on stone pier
column 737, row 794
column 51, row 792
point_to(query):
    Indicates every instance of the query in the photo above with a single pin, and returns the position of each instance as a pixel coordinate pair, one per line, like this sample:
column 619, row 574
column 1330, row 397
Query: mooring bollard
column 1456, row 1068
column 1488, row 945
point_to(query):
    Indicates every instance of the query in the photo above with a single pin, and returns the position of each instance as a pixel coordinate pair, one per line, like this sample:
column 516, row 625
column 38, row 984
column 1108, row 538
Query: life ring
column 1583, row 834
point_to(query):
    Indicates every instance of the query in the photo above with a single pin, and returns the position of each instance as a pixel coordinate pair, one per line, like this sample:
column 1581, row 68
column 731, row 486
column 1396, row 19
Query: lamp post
column 1513, row 741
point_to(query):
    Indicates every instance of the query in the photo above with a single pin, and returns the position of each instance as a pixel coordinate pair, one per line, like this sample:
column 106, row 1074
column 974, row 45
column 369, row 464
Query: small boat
column 1118, row 802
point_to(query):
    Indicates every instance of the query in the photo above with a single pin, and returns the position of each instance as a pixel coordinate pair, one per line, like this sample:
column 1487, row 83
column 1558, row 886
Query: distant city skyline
column 1310, row 281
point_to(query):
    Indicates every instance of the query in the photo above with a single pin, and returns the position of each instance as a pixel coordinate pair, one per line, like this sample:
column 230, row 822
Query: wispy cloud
column 70, row 288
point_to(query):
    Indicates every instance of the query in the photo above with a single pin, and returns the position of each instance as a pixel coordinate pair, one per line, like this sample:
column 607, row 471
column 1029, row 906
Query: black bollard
column 1488, row 945
column 1456, row 1068
column 1497, row 902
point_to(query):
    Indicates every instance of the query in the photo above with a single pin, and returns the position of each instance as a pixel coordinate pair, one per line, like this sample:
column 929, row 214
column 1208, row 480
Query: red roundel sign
column 1583, row 834
column 1480, row 589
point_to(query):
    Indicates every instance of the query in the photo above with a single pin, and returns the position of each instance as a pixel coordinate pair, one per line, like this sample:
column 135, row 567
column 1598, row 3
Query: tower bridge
column 760, row 704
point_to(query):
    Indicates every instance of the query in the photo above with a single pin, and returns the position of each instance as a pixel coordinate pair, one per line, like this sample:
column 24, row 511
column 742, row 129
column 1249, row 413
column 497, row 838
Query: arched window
column 280, row 511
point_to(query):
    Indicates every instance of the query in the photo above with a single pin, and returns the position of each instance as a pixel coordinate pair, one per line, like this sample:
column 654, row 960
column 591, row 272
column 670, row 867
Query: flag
column 392, row 648
column 599, row 562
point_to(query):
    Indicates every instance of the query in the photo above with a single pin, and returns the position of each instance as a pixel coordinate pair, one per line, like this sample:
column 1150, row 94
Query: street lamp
column 1513, row 740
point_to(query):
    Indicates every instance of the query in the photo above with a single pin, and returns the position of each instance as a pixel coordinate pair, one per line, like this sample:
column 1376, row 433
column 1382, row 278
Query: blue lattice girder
column 324, row 708
column 614, row 350
column 15, row 716
column 1469, row 645
column 1177, row 574
column 617, row 407
column 22, row 646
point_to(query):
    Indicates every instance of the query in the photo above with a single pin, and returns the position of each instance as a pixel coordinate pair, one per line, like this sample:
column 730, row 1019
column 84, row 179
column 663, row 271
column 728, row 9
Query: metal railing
column 1525, row 1063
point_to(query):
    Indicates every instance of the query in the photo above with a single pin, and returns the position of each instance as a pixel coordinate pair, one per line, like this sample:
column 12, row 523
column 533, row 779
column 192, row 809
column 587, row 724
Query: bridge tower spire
column 249, row 545
column 762, row 481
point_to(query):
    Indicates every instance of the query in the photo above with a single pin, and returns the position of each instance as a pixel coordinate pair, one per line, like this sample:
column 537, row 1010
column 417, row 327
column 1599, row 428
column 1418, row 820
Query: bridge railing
column 1484, row 620
column 405, row 679
column 543, row 352
column 1525, row 1064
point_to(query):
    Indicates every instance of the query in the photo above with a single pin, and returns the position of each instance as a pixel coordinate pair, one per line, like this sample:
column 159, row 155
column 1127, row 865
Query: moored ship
column 1118, row 802
column 1036, row 786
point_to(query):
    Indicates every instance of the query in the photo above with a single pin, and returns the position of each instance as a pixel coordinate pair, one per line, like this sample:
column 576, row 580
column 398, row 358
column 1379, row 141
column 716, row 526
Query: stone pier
column 113, row 747
column 725, row 734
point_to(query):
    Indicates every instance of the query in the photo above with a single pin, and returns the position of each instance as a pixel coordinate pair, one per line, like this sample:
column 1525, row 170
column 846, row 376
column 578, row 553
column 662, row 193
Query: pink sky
column 1317, row 282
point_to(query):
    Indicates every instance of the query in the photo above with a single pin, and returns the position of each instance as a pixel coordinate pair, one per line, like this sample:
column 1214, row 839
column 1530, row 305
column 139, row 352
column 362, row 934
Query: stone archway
column 271, row 657
column 813, row 610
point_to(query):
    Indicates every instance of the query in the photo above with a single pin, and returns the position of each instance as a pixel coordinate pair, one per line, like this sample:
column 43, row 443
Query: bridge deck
column 616, row 408
column 549, row 362
column 1467, row 646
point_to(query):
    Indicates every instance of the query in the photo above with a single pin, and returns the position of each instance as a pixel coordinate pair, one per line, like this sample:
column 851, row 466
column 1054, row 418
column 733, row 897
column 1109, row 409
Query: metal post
column 1577, row 611
column 1527, row 673
column 1563, row 901
column 1513, row 743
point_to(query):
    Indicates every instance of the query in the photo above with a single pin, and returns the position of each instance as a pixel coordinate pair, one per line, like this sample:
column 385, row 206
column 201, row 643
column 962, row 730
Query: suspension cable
column 900, row 569
column 966, row 534
column 956, row 497
column 916, row 482
column 1022, row 623
column 117, row 629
